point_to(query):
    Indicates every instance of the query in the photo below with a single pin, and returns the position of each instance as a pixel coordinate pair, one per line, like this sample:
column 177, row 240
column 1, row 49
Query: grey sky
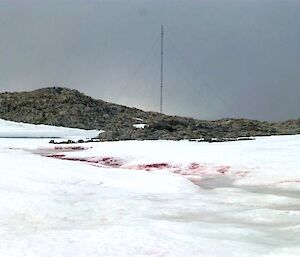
column 223, row 58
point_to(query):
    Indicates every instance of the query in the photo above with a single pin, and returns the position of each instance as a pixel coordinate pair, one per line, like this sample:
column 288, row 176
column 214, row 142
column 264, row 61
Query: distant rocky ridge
column 70, row 108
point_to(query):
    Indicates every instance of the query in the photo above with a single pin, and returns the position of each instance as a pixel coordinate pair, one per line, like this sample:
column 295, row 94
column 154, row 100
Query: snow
column 10, row 129
column 138, row 119
column 266, row 160
column 139, row 126
column 246, row 202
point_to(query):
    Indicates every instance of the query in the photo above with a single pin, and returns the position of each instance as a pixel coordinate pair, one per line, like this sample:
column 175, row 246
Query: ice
column 62, row 208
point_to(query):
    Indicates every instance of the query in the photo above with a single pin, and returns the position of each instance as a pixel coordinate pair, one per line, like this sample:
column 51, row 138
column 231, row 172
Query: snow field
column 245, row 201
column 10, row 129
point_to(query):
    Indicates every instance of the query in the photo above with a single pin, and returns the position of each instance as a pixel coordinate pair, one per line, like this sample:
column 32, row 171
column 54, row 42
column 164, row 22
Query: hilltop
column 71, row 108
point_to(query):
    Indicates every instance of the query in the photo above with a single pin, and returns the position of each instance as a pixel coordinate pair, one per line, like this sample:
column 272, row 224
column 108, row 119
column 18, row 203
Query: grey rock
column 70, row 108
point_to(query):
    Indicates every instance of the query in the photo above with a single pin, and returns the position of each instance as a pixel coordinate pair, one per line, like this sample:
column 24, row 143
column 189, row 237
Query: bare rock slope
column 70, row 108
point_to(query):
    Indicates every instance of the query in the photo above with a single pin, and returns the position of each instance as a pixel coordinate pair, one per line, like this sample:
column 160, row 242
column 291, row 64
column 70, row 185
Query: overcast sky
column 223, row 58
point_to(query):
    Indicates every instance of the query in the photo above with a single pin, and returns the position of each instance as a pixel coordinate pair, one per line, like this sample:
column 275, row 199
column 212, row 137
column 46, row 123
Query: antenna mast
column 161, row 67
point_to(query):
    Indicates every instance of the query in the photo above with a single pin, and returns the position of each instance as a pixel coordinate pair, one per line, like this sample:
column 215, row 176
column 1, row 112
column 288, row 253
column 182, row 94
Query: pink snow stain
column 193, row 169
column 223, row 169
column 104, row 161
column 151, row 166
column 197, row 173
column 57, row 156
column 194, row 166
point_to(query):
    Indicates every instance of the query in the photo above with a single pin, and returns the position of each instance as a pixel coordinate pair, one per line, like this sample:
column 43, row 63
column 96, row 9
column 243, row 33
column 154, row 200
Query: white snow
column 51, row 207
column 139, row 126
column 10, row 129
column 138, row 119
column 266, row 160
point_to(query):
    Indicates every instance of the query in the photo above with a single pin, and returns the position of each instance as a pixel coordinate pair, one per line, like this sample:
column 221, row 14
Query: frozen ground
column 136, row 199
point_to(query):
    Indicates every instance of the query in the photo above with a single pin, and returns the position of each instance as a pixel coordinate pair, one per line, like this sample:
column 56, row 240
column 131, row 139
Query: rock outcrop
column 70, row 108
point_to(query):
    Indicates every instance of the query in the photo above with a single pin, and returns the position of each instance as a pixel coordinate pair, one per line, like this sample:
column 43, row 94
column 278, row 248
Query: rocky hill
column 70, row 108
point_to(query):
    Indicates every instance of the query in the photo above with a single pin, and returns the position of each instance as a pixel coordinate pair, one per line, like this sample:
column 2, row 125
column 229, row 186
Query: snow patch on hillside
column 10, row 129
column 139, row 125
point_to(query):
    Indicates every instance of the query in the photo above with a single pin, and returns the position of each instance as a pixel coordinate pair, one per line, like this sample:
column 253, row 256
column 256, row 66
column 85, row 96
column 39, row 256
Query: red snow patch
column 104, row 161
column 57, row 156
column 192, row 169
column 195, row 172
column 111, row 161
column 153, row 166
column 194, row 166
column 223, row 169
